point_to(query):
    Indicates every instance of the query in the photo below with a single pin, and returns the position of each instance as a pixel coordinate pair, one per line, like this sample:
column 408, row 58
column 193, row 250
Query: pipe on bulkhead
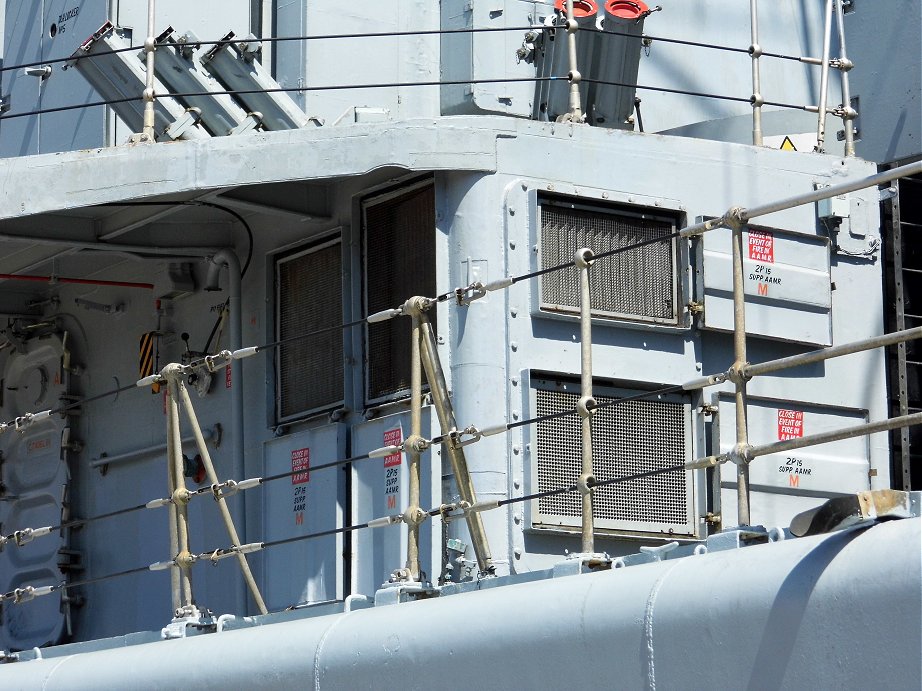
column 227, row 258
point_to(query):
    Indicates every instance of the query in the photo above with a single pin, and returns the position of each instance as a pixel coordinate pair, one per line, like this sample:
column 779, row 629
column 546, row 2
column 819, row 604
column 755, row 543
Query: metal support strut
column 180, row 395
column 440, row 399
column 182, row 584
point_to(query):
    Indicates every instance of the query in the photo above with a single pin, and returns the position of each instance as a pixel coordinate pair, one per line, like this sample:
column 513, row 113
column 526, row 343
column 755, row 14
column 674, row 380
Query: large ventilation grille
column 638, row 284
column 627, row 439
column 399, row 263
column 310, row 299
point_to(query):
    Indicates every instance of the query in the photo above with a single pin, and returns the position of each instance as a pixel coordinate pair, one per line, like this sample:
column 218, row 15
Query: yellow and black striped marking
column 146, row 358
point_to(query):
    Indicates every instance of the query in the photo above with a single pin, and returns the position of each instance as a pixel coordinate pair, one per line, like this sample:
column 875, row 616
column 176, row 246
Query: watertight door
column 35, row 479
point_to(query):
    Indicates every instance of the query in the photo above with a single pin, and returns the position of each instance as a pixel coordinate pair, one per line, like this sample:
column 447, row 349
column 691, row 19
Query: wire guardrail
column 402, row 34
column 430, row 83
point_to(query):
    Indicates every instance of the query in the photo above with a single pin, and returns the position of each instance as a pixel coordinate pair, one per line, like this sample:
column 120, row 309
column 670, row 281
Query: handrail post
column 413, row 454
column 848, row 113
column 824, row 80
column 584, row 407
column 737, row 373
column 576, row 111
column 180, row 494
column 183, row 395
column 149, row 96
column 755, row 51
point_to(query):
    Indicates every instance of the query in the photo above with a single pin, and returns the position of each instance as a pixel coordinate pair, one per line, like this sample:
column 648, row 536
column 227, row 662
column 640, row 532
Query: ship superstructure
column 407, row 303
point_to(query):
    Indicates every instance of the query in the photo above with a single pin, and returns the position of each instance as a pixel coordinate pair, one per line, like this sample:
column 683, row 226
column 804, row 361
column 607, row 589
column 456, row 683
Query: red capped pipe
column 581, row 8
column 631, row 10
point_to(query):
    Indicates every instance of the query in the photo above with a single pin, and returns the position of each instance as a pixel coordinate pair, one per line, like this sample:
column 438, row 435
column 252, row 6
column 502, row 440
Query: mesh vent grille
column 635, row 284
column 628, row 438
column 310, row 298
column 399, row 263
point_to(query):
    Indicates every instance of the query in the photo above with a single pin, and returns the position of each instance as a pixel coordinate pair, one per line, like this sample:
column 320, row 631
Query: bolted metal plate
column 786, row 280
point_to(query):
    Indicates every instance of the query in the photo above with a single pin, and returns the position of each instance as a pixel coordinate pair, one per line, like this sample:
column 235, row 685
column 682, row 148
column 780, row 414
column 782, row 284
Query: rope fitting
column 572, row 26
column 755, row 50
column 585, row 405
column 465, row 296
column 456, row 438
column 574, row 76
column 184, row 560
column 181, row 496
column 415, row 306
column 741, row 454
column 735, row 217
column 218, row 360
column 738, row 373
column 228, row 488
column 584, row 258
column 416, row 444
column 756, row 100
column 414, row 516
column 585, row 483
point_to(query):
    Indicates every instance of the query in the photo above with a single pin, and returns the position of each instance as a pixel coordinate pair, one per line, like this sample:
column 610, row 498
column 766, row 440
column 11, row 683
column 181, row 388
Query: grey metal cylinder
column 836, row 610
column 617, row 60
column 554, row 98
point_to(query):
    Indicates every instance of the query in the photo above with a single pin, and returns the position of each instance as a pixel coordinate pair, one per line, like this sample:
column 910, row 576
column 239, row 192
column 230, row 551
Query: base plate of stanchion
column 582, row 562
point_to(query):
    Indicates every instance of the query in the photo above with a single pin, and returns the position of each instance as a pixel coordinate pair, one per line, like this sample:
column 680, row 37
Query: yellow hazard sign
column 787, row 145
column 146, row 358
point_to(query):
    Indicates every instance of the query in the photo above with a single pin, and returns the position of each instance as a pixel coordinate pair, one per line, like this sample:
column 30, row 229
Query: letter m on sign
column 794, row 480
column 763, row 289
column 392, row 501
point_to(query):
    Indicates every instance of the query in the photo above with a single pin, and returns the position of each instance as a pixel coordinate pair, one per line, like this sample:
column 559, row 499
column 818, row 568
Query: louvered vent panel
column 399, row 263
column 627, row 439
column 637, row 284
column 309, row 299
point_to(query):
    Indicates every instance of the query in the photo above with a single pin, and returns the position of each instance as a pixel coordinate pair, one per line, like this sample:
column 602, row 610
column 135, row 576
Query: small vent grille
column 309, row 299
column 399, row 263
column 627, row 439
column 638, row 284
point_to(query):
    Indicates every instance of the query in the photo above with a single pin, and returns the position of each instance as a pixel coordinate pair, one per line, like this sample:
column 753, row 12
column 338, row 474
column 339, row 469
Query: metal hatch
column 784, row 484
column 309, row 571
column 786, row 279
column 35, row 478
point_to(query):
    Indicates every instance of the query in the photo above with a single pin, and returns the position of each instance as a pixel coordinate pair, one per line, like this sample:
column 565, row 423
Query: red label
column 392, row 437
column 228, row 380
column 300, row 466
column 761, row 246
column 790, row 424
column 38, row 445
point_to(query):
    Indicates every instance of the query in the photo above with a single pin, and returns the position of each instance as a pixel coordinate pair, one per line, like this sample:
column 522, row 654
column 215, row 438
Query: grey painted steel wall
column 782, row 615
column 887, row 79
column 488, row 172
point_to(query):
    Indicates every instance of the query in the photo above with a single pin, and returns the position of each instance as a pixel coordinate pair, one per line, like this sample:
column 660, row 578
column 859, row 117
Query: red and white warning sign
column 392, row 437
column 300, row 466
column 790, row 424
column 761, row 246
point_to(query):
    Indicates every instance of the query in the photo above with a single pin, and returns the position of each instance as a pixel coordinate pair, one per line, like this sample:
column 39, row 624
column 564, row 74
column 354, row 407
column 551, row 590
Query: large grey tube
column 833, row 611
